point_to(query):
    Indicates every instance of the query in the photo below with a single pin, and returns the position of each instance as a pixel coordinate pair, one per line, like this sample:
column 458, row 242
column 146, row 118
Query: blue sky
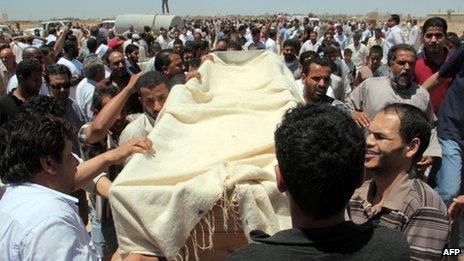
column 45, row 9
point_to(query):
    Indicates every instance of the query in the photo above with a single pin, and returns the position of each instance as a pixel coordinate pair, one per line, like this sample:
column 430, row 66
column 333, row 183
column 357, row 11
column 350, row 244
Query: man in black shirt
column 29, row 73
column 320, row 154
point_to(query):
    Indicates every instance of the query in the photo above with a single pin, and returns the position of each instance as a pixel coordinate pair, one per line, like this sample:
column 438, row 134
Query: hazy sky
column 45, row 9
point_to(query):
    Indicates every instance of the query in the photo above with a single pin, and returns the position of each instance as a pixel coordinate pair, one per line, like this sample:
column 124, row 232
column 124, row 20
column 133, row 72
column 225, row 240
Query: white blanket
column 212, row 139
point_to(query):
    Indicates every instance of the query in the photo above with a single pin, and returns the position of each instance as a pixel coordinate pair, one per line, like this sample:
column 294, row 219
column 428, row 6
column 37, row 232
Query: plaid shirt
column 89, row 151
column 411, row 207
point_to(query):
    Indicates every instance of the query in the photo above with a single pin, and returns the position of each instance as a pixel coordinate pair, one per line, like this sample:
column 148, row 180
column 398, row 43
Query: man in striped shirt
column 395, row 198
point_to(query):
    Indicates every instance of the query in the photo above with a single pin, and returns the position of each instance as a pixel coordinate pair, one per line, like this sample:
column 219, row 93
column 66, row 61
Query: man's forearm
column 88, row 170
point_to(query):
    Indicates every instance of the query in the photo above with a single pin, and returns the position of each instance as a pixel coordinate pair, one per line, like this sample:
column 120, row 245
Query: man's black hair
column 320, row 152
column 436, row 22
column 396, row 18
column 307, row 55
column 98, row 95
column 94, row 31
column 26, row 67
column 272, row 33
column 255, row 31
column 69, row 45
column 376, row 49
column 453, row 39
column 291, row 42
column 27, row 138
column 92, row 44
column 306, row 67
column 391, row 56
column 57, row 69
column 163, row 59
column 178, row 41
column 235, row 46
column 194, row 62
column 348, row 50
column 414, row 124
column 152, row 79
column 130, row 48
column 44, row 105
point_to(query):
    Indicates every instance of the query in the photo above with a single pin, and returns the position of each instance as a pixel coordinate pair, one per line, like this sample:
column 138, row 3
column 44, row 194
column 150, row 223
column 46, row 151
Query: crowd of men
column 371, row 162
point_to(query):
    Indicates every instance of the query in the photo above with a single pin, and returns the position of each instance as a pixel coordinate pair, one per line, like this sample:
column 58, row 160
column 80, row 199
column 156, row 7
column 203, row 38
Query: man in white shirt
column 340, row 37
column 394, row 33
column 153, row 89
column 94, row 72
column 38, row 219
column 360, row 51
column 415, row 36
column 271, row 41
column 163, row 38
column 71, row 51
column 255, row 39
column 311, row 44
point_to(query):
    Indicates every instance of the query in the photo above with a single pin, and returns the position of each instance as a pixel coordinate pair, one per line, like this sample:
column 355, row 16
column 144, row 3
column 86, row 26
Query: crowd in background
column 102, row 90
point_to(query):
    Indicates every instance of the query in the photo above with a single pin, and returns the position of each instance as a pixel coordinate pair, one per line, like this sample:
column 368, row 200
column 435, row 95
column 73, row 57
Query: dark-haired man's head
column 221, row 45
column 398, row 136
column 434, row 35
column 32, row 52
column 29, row 73
column 101, row 97
column 94, row 69
column 178, row 45
column 92, row 44
column 290, row 47
column 402, row 60
column 132, row 53
column 452, row 42
column 44, row 105
column 38, row 149
column 117, row 64
column 315, row 75
column 375, row 57
column 58, row 78
column 71, row 51
column 255, row 34
column 168, row 62
column 319, row 169
column 393, row 20
column 153, row 89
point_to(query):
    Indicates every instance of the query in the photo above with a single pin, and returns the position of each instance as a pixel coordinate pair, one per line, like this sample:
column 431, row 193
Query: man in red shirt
column 434, row 54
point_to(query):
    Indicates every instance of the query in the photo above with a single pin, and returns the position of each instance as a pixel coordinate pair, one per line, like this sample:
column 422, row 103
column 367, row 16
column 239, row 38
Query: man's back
column 345, row 241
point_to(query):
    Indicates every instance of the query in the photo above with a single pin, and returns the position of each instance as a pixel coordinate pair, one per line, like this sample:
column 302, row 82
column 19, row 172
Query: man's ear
column 281, row 185
column 48, row 164
column 165, row 70
column 412, row 148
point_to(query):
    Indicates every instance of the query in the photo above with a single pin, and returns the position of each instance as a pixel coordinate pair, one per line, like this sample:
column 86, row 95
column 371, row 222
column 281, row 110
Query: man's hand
column 193, row 74
column 133, row 80
column 424, row 163
column 360, row 118
column 456, row 207
column 137, row 145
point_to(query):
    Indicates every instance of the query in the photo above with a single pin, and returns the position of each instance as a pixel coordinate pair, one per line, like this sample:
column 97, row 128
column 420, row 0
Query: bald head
column 8, row 59
column 32, row 52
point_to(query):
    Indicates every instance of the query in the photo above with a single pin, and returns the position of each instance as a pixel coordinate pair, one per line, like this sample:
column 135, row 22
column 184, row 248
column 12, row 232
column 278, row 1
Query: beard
column 402, row 81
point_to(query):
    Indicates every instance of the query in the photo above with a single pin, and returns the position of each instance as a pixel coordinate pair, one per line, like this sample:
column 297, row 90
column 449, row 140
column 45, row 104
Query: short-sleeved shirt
column 413, row 208
column 344, row 241
column 424, row 69
column 9, row 107
column 451, row 114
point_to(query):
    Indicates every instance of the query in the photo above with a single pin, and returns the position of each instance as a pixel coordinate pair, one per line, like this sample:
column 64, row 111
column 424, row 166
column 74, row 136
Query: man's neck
column 21, row 94
column 301, row 221
column 68, row 57
column 436, row 57
column 291, row 60
column 384, row 183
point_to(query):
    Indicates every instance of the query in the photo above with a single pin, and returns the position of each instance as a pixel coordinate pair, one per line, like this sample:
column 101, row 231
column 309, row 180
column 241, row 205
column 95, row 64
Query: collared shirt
column 38, row 223
column 374, row 41
column 84, row 95
column 341, row 39
column 309, row 46
column 393, row 36
column 293, row 66
column 344, row 241
column 140, row 127
column 271, row 45
column 413, row 208
column 424, row 68
column 260, row 45
column 360, row 54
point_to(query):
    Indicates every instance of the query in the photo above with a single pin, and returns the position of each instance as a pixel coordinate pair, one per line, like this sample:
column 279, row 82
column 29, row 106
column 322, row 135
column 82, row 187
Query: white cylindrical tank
column 138, row 21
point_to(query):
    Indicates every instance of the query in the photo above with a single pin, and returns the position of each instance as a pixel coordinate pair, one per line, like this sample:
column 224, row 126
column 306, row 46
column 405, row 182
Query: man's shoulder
column 375, row 82
column 424, row 197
